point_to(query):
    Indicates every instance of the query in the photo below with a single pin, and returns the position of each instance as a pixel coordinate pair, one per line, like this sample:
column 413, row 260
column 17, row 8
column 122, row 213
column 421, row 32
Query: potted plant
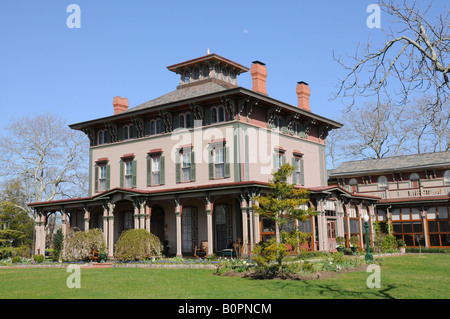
column 340, row 244
column 401, row 246
column 354, row 242
column 102, row 254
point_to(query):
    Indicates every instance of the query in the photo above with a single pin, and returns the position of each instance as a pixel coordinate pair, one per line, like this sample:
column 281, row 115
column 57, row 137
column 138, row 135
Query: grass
column 404, row 277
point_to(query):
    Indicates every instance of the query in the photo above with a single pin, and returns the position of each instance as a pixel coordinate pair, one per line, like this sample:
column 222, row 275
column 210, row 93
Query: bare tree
column 48, row 157
column 414, row 58
column 369, row 134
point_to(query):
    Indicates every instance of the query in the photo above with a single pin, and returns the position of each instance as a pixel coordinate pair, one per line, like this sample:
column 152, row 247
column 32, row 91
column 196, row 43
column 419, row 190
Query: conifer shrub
column 138, row 244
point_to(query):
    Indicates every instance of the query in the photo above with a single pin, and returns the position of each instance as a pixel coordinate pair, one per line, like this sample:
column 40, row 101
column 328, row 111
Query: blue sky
column 123, row 48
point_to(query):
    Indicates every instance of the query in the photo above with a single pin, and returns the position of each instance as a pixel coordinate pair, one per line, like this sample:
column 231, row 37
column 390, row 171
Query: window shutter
column 274, row 158
column 208, row 116
column 177, row 167
column 226, row 165
column 191, row 117
column 96, row 179
column 134, row 178
column 193, row 177
column 294, row 176
column 176, row 122
column 122, row 174
column 162, row 170
column 284, row 126
column 149, row 171
column 302, row 172
column 284, row 159
column 120, row 133
column 108, row 177
column 211, row 164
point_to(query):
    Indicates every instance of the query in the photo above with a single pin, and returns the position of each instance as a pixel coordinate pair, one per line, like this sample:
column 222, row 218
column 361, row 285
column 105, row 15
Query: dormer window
column 155, row 127
column 128, row 131
column 101, row 138
column 415, row 180
column 353, row 185
column 185, row 120
column 217, row 114
column 382, row 182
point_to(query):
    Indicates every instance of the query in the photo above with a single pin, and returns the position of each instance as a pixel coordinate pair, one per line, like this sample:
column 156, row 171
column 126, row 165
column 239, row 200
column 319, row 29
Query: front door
column 331, row 230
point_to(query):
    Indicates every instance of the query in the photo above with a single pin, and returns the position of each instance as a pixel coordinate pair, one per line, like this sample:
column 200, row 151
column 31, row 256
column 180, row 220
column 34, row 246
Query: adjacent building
column 188, row 165
column 414, row 192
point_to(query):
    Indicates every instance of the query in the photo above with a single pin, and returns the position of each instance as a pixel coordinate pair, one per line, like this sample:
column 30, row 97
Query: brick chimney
column 259, row 75
column 120, row 104
column 303, row 94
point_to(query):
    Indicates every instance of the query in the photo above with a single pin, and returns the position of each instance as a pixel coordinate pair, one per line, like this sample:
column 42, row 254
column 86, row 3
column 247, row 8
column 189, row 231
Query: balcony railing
column 411, row 192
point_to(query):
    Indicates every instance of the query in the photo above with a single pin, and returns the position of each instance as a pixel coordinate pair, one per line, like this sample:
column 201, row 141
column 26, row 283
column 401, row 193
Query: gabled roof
column 395, row 163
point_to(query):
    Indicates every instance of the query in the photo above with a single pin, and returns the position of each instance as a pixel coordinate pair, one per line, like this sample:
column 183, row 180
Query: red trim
column 102, row 160
column 155, row 150
column 126, row 156
column 297, row 153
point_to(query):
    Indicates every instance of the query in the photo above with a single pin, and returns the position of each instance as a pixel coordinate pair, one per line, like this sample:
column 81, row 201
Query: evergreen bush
column 138, row 244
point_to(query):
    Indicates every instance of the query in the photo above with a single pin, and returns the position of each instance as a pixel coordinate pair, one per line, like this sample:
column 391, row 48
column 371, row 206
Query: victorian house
column 414, row 192
column 187, row 165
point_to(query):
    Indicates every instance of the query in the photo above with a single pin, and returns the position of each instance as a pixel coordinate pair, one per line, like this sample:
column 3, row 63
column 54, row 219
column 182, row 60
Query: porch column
column 423, row 215
column 64, row 224
column 244, row 226
column 257, row 235
column 209, row 226
column 339, row 220
column 111, row 228
column 148, row 215
column 322, row 226
column 87, row 216
column 142, row 214
column 178, row 213
column 136, row 215
column 40, row 234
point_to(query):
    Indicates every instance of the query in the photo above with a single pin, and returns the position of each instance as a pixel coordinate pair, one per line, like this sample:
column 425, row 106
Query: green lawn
column 405, row 277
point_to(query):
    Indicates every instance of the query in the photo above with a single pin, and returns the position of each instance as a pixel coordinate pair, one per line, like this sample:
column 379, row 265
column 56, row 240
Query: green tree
column 284, row 202
column 15, row 223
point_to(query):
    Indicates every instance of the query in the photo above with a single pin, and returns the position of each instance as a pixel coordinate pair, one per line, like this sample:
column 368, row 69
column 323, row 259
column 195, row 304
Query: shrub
column 16, row 260
column 38, row 258
column 80, row 244
column 138, row 244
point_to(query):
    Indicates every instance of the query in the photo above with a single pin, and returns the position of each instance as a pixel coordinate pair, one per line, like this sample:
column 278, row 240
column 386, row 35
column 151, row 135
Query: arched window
column 205, row 71
column 233, row 77
column 217, row 114
column 182, row 121
column 101, row 138
column 152, row 127
column 382, row 182
column 414, row 179
column 127, row 132
column 186, row 77
column 447, row 177
column 196, row 74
